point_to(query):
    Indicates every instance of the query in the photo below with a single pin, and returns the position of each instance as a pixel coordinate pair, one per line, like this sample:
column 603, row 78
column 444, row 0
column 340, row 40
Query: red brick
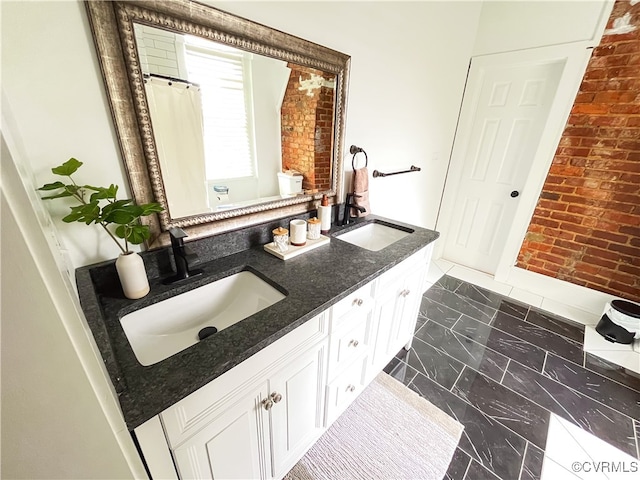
column 633, row 230
column 625, row 109
column 589, row 240
column 591, row 108
column 556, row 259
column 566, row 217
column 592, row 260
column 633, row 292
column 621, row 218
column 629, row 269
column 613, row 237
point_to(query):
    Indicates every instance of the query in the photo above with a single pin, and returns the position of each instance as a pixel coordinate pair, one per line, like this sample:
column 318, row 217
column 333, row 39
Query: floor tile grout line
column 532, row 401
column 526, row 341
column 573, row 390
column 480, row 411
column 524, row 458
column 505, row 372
column 635, row 432
column 539, row 373
column 457, row 311
column 545, row 329
column 530, row 308
column 544, row 362
column 468, row 466
column 459, row 375
column 635, row 390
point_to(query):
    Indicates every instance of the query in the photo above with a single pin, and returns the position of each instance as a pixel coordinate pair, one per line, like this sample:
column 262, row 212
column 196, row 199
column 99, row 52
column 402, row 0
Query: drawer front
column 345, row 388
column 190, row 414
column 359, row 301
column 349, row 341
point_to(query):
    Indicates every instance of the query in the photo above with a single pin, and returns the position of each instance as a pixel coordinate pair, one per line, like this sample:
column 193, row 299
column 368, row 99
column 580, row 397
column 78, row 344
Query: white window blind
column 224, row 76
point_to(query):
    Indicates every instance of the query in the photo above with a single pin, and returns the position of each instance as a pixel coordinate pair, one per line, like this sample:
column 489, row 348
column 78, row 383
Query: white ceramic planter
column 133, row 275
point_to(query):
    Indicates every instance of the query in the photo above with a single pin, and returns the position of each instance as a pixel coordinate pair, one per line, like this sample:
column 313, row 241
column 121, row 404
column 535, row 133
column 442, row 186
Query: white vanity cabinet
column 265, row 431
column 254, row 421
column 258, row 419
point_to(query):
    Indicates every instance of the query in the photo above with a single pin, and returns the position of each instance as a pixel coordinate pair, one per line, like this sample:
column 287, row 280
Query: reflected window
column 224, row 75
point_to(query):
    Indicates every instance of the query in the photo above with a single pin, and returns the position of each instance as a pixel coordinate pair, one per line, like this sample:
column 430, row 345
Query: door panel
column 505, row 109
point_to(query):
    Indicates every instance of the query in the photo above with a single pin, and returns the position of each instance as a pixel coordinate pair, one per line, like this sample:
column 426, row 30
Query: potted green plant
column 119, row 218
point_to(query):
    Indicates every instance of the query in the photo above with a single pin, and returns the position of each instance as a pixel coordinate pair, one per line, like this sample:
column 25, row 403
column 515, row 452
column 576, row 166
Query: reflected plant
column 99, row 205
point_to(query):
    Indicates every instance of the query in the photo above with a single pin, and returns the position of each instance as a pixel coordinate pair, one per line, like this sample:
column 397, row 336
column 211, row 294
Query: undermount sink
column 165, row 328
column 375, row 236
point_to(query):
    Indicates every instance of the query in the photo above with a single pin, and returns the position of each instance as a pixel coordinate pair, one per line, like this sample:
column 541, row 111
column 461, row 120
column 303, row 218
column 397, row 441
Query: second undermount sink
column 165, row 328
column 375, row 236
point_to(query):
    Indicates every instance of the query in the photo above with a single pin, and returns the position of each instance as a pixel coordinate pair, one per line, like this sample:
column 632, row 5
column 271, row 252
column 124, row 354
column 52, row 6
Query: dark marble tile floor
column 501, row 368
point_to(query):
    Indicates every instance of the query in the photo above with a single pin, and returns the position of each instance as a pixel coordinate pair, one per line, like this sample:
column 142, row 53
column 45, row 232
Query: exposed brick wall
column 307, row 126
column 586, row 226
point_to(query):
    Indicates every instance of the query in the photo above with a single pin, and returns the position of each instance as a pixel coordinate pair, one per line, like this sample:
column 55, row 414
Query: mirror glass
column 233, row 128
column 223, row 121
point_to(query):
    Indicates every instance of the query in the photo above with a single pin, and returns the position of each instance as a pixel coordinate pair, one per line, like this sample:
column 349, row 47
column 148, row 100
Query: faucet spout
column 348, row 205
column 182, row 257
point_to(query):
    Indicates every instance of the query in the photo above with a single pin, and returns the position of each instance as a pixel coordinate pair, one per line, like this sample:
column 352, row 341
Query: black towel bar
column 413, row 168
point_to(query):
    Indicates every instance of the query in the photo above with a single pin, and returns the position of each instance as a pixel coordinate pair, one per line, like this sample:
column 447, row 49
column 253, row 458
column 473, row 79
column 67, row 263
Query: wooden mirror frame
column 112, row 28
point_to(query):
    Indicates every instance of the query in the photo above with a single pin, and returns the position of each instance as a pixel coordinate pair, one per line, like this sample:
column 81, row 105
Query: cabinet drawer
column 190, row 414
column 359, row 301
column 345, row 388
column 349, row 341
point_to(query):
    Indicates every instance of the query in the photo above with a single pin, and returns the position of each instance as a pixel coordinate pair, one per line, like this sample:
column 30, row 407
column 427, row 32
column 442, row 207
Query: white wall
column 408, row 67
column 52, row 83
column 60, row 418
column 517, row 25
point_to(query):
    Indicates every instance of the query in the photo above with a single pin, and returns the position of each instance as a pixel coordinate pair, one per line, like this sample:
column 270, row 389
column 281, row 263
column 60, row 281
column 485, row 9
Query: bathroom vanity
column 250, row 400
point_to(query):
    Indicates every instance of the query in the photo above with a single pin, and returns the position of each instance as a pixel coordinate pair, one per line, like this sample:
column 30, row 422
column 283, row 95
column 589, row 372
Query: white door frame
column 576, row 56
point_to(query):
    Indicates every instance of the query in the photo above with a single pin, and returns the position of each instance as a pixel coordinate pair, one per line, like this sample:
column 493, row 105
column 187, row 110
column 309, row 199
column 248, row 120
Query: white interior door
column 505, row 108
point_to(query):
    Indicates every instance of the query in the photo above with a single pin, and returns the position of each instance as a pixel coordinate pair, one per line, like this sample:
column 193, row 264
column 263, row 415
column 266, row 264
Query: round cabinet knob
column 514, row 194
column 267, row 404
column 351, row 388
column 354, row 343
column 358, row 302
column 276, row 397
column 407, row 292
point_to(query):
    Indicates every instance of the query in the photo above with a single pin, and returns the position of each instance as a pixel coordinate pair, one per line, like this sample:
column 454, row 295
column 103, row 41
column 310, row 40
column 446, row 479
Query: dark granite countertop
column 313, row 281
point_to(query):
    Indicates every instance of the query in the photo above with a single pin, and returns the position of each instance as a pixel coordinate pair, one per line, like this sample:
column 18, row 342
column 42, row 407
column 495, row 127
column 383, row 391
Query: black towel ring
column 354, row 151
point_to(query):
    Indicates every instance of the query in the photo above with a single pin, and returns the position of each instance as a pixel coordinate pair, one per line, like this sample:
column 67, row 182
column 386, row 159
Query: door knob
column 514, row 194
column 276, row 397
column 267, row 403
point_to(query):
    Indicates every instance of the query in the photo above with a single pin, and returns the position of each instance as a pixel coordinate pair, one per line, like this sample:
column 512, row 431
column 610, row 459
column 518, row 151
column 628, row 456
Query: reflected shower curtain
column 176, row 117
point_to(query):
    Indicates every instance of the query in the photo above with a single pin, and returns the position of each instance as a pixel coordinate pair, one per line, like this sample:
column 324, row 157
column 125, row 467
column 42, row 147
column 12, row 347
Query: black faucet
column 348, row 205
column 182, row 257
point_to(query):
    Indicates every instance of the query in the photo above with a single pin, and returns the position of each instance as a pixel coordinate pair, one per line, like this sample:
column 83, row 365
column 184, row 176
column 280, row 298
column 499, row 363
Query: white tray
column 293, row 250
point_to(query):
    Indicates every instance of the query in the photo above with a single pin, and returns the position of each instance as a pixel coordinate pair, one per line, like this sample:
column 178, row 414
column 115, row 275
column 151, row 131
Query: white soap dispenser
column 324, row 214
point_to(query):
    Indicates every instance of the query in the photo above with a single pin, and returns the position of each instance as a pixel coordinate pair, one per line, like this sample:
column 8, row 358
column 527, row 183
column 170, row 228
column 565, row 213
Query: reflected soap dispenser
column 324, row 214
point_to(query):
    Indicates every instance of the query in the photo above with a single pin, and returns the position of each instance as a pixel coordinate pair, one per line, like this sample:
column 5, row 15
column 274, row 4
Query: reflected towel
column 361, row 188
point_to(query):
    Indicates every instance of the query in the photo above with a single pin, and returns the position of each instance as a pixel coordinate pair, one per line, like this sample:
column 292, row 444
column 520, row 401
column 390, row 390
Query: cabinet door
column 385, row 328
column 297, row 413
column 411, row 298
column 234, row 445
column 395, row 317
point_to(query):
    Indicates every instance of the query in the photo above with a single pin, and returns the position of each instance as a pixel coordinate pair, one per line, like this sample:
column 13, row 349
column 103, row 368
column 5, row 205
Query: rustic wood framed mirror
column 281, row 106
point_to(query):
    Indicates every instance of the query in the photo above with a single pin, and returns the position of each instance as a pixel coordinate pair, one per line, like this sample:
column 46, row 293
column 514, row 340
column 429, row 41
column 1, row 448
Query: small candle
column 313, row 232
column 281, row 239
